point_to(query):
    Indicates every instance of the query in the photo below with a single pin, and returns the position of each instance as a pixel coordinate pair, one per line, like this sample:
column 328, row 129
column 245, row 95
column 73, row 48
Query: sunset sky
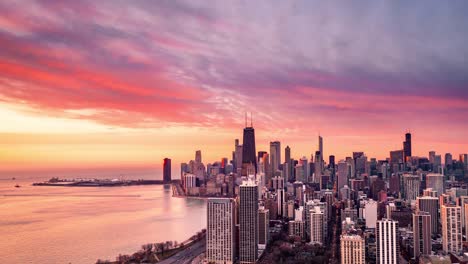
column 127, row 83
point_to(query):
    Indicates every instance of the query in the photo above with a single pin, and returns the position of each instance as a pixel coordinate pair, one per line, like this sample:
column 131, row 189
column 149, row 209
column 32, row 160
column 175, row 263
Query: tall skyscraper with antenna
column 249, row 160
column 407, row 146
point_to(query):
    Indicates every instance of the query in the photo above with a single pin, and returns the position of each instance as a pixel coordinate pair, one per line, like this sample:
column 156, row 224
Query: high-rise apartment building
column 430, row 205
column 220, row 232
column 263, row 227
column 388, row 248
column 317, row 226
column 422, row 233
column 248, row 222
column 411, row 186
column 451, row 228
column 353, row 249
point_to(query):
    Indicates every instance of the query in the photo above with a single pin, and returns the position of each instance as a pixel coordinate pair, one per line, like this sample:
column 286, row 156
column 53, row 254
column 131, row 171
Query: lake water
column 40, row 224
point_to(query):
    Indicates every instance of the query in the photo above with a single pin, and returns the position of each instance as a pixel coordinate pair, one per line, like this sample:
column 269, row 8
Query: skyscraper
column 436, row 182
column 198, row 158
column 353, row 249
column 220, row 235
column 411, row 185
column 342, row 175
column 451, row 228
column 275, row 156
column 388, row 248
column 287, row 159
column 430, row 205
column 407, row 146
column 316, row 226
column 167, row 170
column 422, row 233
column 263, row 226
column 249, row 159
column 248, row 222
column 320, row 148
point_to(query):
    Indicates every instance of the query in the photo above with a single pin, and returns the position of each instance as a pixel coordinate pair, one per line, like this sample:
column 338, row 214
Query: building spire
column 251, row 123
column 245, row 119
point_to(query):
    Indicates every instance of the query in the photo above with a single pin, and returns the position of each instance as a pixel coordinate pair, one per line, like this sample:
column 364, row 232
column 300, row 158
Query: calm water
column 41, row 224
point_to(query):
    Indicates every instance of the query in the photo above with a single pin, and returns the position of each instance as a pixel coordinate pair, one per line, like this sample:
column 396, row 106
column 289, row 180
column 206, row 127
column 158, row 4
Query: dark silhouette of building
column 407, row 146
column 248, row 150
column 167, row 170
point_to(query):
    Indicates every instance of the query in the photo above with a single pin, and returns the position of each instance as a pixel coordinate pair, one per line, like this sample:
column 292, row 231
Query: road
column 186, row 256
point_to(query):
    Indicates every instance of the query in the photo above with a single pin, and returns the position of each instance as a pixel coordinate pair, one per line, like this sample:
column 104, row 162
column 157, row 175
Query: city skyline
column 94, row 84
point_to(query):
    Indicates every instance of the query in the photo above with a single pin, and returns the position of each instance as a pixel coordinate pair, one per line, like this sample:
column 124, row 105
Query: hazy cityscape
column 233, row 132
column 268, row 207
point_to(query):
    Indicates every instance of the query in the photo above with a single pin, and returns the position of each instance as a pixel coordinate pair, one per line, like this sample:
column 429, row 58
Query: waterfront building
column 220, row 238
column 167, row 170
column 248, row 221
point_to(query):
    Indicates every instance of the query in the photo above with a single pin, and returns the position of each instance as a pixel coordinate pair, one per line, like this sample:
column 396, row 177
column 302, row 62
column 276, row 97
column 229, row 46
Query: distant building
column 297, row 229
column 167, row 170
column 263, row 226
column 369, row 212
column 248, row 221
column 220, row 238
column 422, row 233
column 353, row 249
column 451, row 229
column 275, row 156
column 430, row 205
column 436, row 182
column 407, row 147
column 411, row 186
column 388, row 248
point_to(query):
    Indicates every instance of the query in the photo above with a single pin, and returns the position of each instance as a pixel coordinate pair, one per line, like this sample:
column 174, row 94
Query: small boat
column 17, row 186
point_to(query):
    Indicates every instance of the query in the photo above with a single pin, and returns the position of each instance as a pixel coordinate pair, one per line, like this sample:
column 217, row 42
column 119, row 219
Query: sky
column 127, row 83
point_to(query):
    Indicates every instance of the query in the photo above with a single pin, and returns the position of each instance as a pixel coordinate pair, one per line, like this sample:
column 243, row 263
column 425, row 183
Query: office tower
column 318, row 169
column 396, row 156
column 220, row 235
column 263, row 227
column 248, row 222
column 275, row 156
column 304, row 163
column 167, row 170
column 464, row 160
column 422, row 233
column 249, row 159
column 331, row 161
column 430, row 205
column 281, row 200
column 316, row 226
column 278, row 182
column 388, row 248
column 437, row 166
column 342, row 175
column 287, row 160
column 198, row 158
column 320, row 148
column 353, row 249
column 407, row 147
column 451, row 229
column 350, row 213
column 369, row 212
column 411, row 185
column 329, row 200
column 238, row 155
column 394, row 183
column 435, row 181
column 431, row 156
column 448, row 160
